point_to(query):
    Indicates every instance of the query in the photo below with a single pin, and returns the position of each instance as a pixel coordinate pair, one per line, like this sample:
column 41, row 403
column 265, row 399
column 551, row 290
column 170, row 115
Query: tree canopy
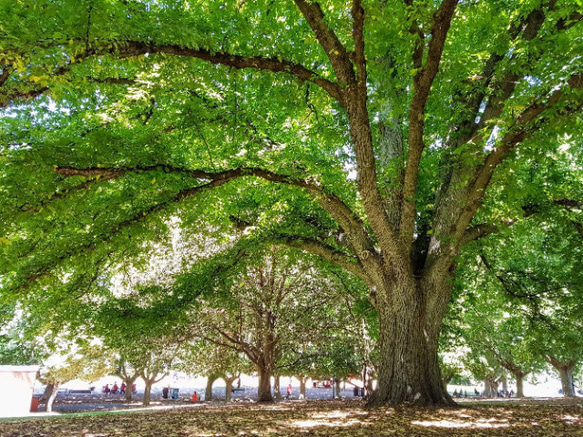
column 382, row 137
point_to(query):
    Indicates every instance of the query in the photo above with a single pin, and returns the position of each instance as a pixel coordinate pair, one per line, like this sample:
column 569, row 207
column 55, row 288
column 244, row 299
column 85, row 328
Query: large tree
column 369, row 133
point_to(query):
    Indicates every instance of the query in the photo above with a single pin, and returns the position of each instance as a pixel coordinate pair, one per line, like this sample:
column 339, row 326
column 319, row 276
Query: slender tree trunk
column 337, row 383
column 229, row 387
column 303, row 380
column 48, row 391
column 52, row 396
column 264, row 389
column 147, row 393
column 129, row 382
column 409, row 332
column 277, row 387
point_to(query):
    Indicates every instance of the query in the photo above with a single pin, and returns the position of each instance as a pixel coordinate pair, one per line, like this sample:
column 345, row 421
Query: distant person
column 289, row 391
column 455, row 393
column 194, row 397
column 122, row 389
column 106, row 389
column 165, row 392
column 134, row 389
column 115, row 388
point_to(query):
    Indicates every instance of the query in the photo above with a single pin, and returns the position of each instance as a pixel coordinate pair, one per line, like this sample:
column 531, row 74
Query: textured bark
column 409, row 367
column 150, row 378
column 566, row 374
column 264, row 389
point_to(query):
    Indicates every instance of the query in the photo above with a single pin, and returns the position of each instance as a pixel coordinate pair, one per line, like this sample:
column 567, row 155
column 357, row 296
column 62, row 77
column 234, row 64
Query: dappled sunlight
column 479, row 423
column 334, row 418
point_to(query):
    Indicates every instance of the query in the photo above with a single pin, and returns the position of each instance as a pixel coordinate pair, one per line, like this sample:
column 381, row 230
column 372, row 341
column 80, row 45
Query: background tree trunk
column 519, row 376
column 229, row 387
column 53, row 395
column 337, row 384
column 565, row 369
column 208, row 393
column 303, row 380
column 277, row 387
column 129, row 382
column 147, row 393
column 566, row 373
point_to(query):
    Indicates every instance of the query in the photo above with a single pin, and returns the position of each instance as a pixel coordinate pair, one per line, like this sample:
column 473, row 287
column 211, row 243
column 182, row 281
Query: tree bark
column 303, row 380
column 208, row 393
column 277, row 387
column 519, row 376
column 52, row 396
column 229, row 387
column 264, row 389
column 565, row 369
column 48, row 391
column 566, row 374
column 337, row 383
column 147, row 393
column 129, row 382
column 409, row 369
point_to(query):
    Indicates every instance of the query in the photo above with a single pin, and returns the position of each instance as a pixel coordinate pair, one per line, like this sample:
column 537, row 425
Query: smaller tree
column 87, row 361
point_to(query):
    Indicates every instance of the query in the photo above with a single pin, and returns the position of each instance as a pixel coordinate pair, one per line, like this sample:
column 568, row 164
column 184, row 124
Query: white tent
column 16, row 388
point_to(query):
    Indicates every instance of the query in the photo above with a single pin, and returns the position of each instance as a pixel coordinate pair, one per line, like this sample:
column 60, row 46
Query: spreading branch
column 137, row 48
column 422, row 85
column 329, row 253
column 525, row 124
column 329, row 41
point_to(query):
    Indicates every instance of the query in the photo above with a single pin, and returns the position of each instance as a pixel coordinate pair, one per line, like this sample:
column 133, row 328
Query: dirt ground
column 348, row 417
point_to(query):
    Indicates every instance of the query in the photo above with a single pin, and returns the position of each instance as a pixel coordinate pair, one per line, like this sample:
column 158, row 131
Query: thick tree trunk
column 565, row 369
column 409, row 333
column 264, row 389
column 566, row 374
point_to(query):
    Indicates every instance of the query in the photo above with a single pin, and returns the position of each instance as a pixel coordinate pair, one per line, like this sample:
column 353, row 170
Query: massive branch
column 329, row 253
column 343, row 215
column 136, row 48
column 421, row 87
column 334, row 49
column 526, row 123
